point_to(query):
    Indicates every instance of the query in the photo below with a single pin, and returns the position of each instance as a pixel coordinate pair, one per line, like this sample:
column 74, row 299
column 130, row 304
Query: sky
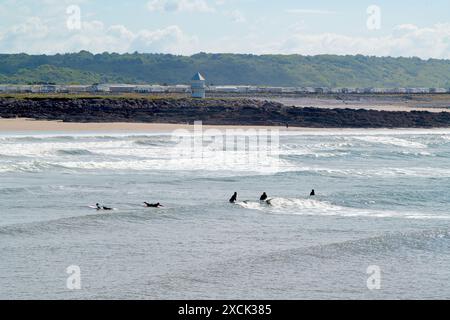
column 376, row 27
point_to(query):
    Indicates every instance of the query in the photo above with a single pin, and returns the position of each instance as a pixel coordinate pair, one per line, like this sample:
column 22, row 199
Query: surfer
column 234, row 198
column 313, row 193
column 153, row 205
column 263, row 197
column 102, row 208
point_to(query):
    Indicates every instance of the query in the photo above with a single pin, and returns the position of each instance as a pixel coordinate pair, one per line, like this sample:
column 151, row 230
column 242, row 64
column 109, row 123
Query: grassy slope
column 275, row 70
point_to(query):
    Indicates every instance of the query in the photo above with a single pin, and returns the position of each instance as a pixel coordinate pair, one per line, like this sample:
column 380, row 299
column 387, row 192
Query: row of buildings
column 199, row 89
column 125, row 88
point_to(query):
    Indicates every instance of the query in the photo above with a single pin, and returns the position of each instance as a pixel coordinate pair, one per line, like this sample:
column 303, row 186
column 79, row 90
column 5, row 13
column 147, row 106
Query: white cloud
column 179, row 6
column 168, row 40
column 36, row 37
column 406, row 40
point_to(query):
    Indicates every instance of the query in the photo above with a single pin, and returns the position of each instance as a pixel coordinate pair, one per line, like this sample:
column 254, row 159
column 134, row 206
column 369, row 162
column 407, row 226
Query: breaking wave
column 392, row 141
column 311, row 207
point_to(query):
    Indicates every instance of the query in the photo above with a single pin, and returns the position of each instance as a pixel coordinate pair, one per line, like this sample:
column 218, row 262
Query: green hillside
column 270, row 70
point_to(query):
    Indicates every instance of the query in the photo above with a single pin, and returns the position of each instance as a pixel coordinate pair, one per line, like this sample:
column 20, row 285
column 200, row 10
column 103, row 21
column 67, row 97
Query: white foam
column 387, row 172
column 392, row 141
column 311, row 207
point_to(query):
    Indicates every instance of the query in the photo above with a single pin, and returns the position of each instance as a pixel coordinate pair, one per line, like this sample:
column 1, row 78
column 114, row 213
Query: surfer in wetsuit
column 153, row 205
column 263, row 197
column 234, row 198
column 102, row 208
column 313, row 193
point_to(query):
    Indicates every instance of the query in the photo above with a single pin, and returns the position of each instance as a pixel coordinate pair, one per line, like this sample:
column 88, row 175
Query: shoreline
column 26, row 126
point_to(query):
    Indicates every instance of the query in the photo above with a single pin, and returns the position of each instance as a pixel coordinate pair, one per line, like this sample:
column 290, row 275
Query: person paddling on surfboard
column 153, row 205
column 234, row 198
column 102, row 208
column 263, row 197
column 313, row 193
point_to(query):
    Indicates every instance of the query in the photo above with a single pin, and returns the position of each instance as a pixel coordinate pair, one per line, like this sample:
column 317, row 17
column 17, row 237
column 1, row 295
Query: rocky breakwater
column 211, row 112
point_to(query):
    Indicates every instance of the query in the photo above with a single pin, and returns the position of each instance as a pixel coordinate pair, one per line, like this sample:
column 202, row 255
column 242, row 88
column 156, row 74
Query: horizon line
column 223, row 53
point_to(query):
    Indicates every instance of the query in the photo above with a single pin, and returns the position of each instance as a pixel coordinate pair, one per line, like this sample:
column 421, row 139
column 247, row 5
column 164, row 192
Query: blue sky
column 396, row 28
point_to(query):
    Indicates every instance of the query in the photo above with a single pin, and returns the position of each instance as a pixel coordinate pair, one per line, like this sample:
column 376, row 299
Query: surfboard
column 95, row 208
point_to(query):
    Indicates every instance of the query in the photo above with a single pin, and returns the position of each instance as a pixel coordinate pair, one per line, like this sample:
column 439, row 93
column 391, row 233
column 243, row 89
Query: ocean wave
column 50, row 148
column 387, row 243
column 7, row 191
column 415, row 154
column 311, row 207
column 363, row 132
column 154, row 141
column 55, row 226
column 30, row 167
column 392, row 141
column 230, row 165
column 74, row 152
column 426, row 172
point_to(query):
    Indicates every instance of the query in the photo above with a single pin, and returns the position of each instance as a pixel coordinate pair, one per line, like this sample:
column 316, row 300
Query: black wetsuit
column 103, row 208
column 263, row 197
column 150, row 205
column 313, row 193
column 233, row 198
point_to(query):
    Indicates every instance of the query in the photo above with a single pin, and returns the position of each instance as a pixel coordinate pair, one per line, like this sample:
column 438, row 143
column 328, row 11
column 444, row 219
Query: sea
column 378, row 227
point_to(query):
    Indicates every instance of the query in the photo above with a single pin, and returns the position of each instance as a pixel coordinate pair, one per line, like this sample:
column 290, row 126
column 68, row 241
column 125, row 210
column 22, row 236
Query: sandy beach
column 27, row 126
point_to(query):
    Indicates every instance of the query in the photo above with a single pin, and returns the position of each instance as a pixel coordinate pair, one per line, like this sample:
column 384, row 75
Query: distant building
column 76, row 89
column 121, row 88
column 48, row 88
column 198, row 86
column 177, row 89
column 100, row 87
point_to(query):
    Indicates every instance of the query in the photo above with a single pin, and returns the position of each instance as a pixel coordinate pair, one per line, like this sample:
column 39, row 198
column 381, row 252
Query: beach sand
column 29, row 126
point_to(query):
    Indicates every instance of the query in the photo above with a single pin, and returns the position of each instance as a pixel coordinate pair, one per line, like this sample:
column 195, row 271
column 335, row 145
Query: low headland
column 223, row 111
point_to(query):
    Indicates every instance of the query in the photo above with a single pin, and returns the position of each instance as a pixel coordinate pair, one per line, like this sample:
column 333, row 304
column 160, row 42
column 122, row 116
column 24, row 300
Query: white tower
column 198, row 86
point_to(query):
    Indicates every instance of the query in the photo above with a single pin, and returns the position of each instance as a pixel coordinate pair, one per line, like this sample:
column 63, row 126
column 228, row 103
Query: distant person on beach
column 102, row 208
column 313, row 193
column 234, row 198
column 263, row 197
column 153, row 205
